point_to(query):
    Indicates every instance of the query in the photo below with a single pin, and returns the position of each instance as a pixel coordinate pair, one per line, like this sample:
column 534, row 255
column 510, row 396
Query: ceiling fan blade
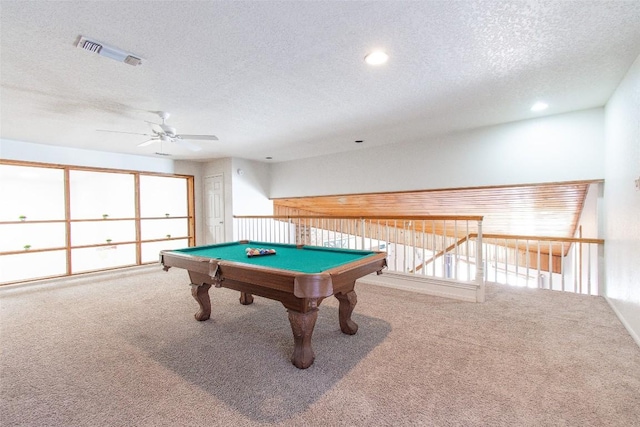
column 186, row 144
column 117, row 131
column 201, row 137
column 149, row 142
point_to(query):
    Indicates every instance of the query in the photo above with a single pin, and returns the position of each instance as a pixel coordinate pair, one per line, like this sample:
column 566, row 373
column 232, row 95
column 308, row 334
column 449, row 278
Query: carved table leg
column 201, row 295
column 302, row 325
column 348, row 302
column 245, row 298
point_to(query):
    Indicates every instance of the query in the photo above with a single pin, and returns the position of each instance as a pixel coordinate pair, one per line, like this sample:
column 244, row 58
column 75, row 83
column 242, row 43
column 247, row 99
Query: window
column 162, row 217
column 57, row 220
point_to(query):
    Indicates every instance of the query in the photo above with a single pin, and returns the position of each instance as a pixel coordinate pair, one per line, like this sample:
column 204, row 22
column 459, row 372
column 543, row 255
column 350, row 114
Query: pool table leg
column 348, row 302
column 245, row 298
column 302, row 325
column 201, row 295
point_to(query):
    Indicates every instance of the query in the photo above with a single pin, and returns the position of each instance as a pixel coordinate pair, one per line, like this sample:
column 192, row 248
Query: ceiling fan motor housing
column 169, row 130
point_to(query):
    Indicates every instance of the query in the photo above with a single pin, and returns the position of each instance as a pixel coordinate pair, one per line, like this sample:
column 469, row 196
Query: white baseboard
column 625, row 323
column 446, row 288
column 80, row 278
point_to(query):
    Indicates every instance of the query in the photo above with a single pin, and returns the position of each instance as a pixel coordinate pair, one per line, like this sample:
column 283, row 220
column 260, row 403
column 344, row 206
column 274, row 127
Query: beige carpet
column 124, row 350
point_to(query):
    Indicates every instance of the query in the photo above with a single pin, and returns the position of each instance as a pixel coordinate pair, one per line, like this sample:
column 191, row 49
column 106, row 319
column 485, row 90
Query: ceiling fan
column 165, row 133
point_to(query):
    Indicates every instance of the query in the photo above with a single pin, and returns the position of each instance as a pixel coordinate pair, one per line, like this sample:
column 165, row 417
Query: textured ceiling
column 288, row 80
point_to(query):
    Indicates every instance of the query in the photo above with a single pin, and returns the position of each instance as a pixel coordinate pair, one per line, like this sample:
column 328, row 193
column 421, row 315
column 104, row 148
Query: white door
column 214, row 209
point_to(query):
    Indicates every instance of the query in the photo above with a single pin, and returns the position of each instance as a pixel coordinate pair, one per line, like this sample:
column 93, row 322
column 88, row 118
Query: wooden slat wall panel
column 535, row 210
column 371, row 227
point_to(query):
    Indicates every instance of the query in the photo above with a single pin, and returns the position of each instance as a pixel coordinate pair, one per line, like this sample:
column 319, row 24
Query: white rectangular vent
column 91, row 46
column 108, row 51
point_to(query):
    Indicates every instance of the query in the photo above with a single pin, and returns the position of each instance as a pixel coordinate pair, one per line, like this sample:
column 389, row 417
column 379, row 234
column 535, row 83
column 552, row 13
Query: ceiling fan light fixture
column 169, row 130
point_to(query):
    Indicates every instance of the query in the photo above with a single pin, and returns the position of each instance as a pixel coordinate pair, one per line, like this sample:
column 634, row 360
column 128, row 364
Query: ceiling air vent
column 108, row 51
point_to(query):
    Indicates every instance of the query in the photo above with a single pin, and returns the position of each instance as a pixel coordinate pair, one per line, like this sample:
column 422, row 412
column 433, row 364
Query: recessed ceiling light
column 539, row 106
column 377, row 57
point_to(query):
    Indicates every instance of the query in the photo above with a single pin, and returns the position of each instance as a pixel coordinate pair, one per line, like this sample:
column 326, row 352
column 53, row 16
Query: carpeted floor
column 124, row 350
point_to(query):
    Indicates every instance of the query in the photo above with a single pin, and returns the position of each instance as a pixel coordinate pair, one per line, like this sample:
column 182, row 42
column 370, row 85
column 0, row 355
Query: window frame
column 137, row 218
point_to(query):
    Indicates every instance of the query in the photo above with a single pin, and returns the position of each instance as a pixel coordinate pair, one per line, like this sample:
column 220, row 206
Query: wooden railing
column 563, row 264
column 444, row 247
column 407, row 240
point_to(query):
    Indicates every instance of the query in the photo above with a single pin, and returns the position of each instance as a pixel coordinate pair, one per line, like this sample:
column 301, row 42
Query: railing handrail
column 541, row 238
column 415, row 242
column 379, row 217
column 434, row 218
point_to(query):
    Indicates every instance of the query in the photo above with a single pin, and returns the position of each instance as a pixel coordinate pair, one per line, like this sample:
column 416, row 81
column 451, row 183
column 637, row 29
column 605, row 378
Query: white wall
column 251, row 187
column 589, row 221
column 42, row 153
column 566, row 147
column 622, row 201
column 245, row 193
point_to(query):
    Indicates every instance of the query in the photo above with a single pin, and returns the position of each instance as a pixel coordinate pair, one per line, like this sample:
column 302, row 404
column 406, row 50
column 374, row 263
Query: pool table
column 300, row 277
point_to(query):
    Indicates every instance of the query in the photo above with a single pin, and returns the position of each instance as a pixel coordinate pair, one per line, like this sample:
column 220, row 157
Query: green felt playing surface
column 309, row 259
